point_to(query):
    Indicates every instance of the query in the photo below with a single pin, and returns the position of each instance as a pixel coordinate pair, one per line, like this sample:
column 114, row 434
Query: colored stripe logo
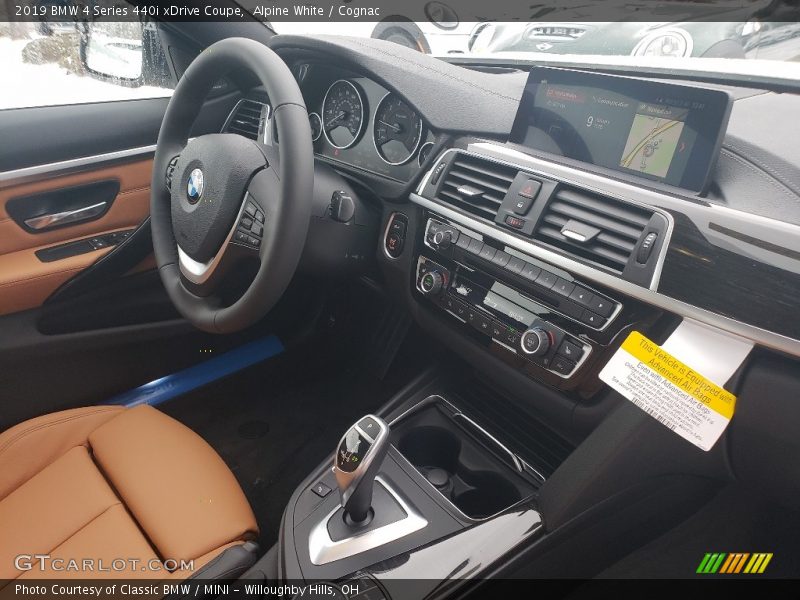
column 734, row 563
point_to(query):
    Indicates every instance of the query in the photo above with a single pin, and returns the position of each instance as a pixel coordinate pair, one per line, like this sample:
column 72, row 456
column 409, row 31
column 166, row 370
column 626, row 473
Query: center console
column 446, row 495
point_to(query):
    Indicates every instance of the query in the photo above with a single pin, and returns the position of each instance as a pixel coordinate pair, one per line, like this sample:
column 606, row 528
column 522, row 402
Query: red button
column 515, row 222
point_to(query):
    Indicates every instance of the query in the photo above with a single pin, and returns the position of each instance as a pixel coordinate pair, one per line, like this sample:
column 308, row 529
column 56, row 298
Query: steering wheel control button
column 257, row 229
column 259, row 216
column 246, row 223
column 321, row 490
column 253, row 241
column 395, row 235
column 241, row 237
column 171, row 170
column 250, row 209
column 536, row 341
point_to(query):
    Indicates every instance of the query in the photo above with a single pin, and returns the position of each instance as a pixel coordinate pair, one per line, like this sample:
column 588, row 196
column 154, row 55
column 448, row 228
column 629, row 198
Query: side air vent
column 476, row 185
column 245, row 119
column 598, row 228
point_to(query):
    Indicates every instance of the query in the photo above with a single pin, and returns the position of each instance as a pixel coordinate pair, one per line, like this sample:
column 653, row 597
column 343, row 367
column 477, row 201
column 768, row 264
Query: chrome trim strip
column 198, row 272
column 514, row 458
column 625, row 193
column 766, row 338
column 18, row 176
column 322, row 550
column 66, row 217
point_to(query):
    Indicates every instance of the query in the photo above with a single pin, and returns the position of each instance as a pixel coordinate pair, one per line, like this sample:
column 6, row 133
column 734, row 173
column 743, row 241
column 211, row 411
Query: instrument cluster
column 360, row 123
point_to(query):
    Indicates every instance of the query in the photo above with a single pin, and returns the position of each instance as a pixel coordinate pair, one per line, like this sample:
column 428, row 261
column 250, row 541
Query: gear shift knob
column 358, row 457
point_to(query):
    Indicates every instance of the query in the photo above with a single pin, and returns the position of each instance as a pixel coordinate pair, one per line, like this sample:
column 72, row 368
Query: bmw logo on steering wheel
column 195, row 187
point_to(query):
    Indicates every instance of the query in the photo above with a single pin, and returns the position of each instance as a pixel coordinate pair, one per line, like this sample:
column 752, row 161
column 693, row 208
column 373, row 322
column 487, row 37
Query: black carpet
column 273, row 423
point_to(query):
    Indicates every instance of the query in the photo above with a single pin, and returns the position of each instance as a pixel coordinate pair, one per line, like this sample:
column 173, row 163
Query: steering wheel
column 221, row 199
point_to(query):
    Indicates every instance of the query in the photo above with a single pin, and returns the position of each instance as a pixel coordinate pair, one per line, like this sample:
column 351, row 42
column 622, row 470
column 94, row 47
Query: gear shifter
column 356, row 463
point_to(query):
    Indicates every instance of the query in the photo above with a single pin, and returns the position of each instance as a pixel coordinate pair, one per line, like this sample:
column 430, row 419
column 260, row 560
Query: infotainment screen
column 661, row 131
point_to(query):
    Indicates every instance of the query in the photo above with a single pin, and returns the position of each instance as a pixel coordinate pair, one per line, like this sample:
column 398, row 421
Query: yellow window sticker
column 673, row 393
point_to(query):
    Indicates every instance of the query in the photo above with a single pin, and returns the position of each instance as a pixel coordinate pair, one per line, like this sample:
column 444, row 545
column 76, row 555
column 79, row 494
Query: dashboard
column 501, row 226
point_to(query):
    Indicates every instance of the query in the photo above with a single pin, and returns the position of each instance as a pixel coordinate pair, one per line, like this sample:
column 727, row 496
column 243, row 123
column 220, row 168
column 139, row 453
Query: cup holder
column 457, row 464
column 431, row 446
column 490, row 494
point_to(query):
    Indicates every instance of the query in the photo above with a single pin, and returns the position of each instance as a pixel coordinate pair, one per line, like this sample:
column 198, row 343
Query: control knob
column 536, row 341
column 442, row 239
column 431, row 283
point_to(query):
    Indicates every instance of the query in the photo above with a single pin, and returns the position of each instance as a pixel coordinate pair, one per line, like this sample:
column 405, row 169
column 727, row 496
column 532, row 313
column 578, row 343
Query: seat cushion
column 110, row 483
column 176, row 486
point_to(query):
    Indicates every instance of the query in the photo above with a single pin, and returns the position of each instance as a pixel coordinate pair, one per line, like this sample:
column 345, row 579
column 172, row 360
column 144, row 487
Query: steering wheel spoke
column 243, row 242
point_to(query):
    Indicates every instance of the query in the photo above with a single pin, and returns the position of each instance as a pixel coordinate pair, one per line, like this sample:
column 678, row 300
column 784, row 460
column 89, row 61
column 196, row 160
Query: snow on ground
column 24, row 84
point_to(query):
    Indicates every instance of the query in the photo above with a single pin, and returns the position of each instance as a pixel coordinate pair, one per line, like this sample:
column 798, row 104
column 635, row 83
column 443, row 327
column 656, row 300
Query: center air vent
column 476, row 185
column 246, row 118
column 598, row 228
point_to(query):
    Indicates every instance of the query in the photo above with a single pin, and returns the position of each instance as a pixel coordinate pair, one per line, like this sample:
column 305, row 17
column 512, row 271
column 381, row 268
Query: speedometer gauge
column 342, row 114
column 397, row 131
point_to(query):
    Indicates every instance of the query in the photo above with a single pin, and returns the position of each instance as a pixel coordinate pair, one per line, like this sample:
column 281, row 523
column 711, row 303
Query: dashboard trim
column 756, row 334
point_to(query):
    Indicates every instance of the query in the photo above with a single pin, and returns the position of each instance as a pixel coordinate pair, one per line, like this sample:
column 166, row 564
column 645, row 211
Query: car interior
column 338, row 310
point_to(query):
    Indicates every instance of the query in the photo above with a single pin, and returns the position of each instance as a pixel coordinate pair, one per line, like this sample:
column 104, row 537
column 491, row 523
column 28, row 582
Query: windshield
column 677, row 35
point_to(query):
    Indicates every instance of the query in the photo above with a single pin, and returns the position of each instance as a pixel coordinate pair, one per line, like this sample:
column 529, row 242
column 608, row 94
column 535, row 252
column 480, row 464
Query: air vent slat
column 476, row 185
column 613, row 227
column 633, row 215
column 595, row 218
column 482, row 182
column 245, row 119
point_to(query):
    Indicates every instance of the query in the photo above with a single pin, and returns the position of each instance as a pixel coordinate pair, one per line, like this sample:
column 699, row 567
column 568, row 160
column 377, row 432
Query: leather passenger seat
column 105, row 483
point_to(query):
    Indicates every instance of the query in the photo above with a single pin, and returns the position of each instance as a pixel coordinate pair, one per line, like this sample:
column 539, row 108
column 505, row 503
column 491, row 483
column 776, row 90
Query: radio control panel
column 568, row 297
column 493, row 312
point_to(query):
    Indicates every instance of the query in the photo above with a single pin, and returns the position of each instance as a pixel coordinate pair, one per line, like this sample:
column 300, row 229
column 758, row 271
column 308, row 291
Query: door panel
column 25, row 280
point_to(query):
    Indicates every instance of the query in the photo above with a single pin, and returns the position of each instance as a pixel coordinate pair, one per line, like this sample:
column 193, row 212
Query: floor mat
column 276, row 421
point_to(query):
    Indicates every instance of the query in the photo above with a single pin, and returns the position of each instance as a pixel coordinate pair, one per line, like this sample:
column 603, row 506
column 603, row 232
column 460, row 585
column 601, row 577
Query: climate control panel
column 498, row 312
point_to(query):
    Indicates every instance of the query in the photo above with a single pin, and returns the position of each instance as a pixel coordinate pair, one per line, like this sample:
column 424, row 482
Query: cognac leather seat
column 108, row 483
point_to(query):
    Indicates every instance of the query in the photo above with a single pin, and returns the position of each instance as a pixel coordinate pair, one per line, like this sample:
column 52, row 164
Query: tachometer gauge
column 316, row 126
column 342, row 114
column 397, row 131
